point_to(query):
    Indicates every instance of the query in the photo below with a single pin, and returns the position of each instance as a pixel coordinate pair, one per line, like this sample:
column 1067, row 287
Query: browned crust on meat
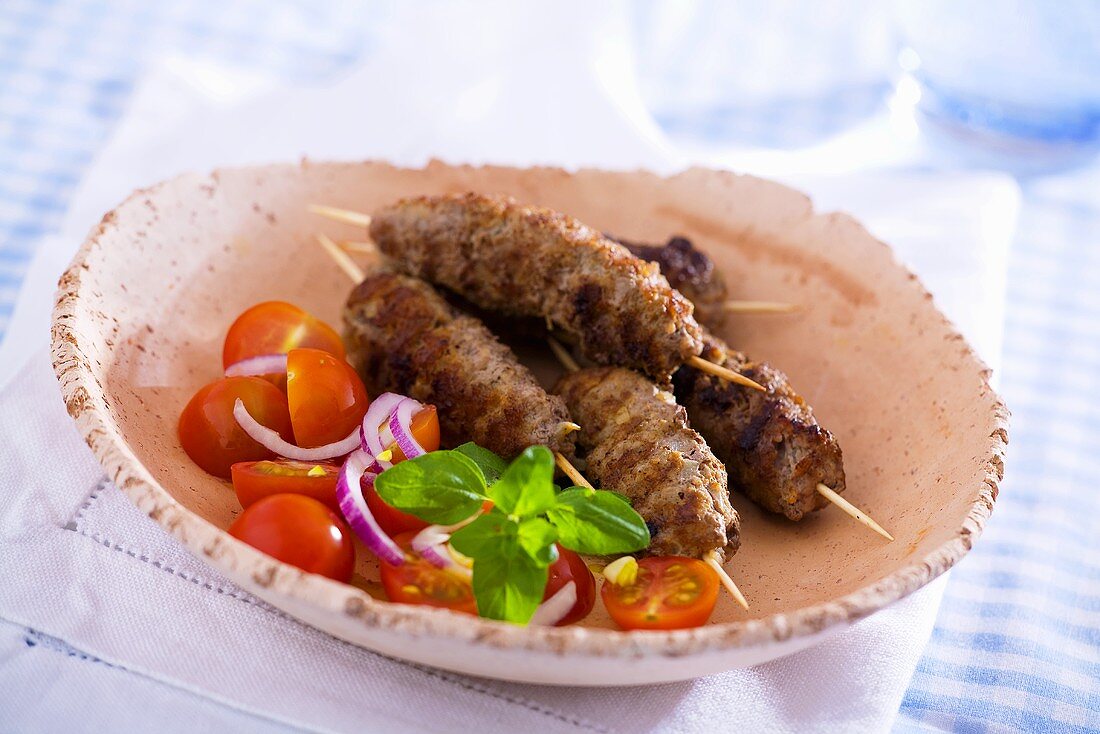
column 689, row 271
column 403, row 337
column 638, row 443
column 531, row 261
column 772, row 445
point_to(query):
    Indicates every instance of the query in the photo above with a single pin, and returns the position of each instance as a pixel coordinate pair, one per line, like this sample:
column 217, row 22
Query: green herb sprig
column 512, row 545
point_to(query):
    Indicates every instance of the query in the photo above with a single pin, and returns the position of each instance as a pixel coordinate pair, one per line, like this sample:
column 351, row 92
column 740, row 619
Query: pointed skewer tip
column 858, row 514
column 711, row 559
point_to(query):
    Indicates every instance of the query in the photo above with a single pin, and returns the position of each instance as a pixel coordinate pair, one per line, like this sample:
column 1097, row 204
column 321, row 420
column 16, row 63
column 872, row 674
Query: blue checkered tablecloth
column 1017, row 641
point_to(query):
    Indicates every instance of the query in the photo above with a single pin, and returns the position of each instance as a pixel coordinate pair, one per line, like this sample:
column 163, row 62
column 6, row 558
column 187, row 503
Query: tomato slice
column 276, row 327
column 300, row 531
column 254, row 480
column 418, row 582
column 671, row 592
column 211, row 435
column 326, row 397
column 571, row 567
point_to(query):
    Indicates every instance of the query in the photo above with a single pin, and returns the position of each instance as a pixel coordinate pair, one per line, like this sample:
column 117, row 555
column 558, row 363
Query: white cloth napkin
column 99, row 607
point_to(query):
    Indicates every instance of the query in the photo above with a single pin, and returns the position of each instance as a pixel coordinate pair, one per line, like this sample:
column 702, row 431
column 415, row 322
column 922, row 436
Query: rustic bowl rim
column 85, row 400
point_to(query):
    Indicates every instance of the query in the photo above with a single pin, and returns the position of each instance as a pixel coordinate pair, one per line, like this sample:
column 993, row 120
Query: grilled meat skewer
column 639, row 443
column 773, row 448
column 689, row 271
column 403, row 337
column 529, row 261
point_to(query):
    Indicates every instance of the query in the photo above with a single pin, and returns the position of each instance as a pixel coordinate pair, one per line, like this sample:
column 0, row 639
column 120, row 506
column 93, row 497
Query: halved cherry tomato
column 671, row 592
column 211, row 435
column 300, row 531
column 425, row 429
column 276, row 327
column 254, row 480
column 418, row 582
column 571, row 567
column 327, row 399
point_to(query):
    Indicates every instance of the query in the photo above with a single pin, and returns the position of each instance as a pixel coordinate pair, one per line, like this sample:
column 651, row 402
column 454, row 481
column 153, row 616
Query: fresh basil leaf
column 509, row 585
column 614, row 495
column 526, row 488
column 485, row 535
column 597, row 522
column 508, row 580
column 491, row 465
column 440, row 487
column 537, row 536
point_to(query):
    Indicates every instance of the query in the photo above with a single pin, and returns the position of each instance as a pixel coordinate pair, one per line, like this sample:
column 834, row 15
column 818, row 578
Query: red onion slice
column 431, row 544
column 554, row 609
column 376, row 416
column 438, row 557
column 273, row 442
column 401, row 428
column 264, row 364
column 349, row 494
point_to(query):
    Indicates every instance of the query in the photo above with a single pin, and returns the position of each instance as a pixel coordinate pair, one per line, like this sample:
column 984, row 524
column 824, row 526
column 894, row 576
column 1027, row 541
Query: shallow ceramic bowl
column 143, row 310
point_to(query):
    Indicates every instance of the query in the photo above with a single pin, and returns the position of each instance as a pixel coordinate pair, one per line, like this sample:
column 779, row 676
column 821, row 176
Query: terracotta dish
column 143, row 309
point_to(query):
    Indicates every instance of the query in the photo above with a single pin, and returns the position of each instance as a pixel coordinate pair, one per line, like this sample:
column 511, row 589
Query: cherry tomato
column 418, row 582
column 275, row 327
column 254, row 480
column 300, row 531
column 211, row 435
column 671, row 592
column 327, row 399
column 571, row 567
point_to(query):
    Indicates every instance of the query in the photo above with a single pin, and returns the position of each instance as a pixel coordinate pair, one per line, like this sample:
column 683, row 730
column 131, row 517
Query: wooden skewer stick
column 341, row 215
column 571, row 471
column 356, row 274
column 350, row 217
column 570, row 364
column 366, row 248
column 759, row 307
column 852, row 510
column 342, row 259
column 723, row 372
column 562, row 354
column 711, row 559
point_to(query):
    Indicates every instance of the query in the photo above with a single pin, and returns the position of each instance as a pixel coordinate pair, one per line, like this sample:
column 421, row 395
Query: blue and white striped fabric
column 1017, row 642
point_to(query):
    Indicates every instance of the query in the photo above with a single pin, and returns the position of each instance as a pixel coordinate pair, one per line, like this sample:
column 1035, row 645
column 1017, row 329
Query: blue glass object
column 1020, row 75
